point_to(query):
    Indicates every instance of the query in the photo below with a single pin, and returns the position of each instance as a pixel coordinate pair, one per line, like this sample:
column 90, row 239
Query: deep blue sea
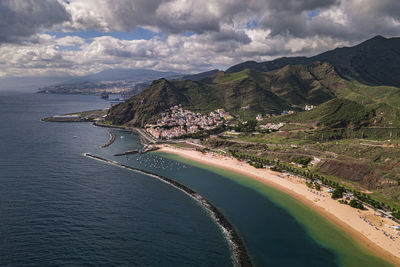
column 59, row 208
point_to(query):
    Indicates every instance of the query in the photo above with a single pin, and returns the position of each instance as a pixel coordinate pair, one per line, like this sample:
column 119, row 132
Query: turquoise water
column 347, row 251
column 58, row 207
column 273, row 237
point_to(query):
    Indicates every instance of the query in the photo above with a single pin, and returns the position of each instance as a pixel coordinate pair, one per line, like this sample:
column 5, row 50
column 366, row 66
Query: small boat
column 122, row 136
column 75, row 136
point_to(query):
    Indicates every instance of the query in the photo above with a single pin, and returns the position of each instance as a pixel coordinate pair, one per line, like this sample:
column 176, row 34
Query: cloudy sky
column 77, row 37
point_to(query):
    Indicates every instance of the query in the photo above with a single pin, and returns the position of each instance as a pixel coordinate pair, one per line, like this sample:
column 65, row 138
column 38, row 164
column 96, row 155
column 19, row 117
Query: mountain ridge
column 118, row 74
column 358, row 62
column 252, row 88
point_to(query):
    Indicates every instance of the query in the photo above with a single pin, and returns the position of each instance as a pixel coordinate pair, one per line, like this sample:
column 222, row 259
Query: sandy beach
column 372, row 231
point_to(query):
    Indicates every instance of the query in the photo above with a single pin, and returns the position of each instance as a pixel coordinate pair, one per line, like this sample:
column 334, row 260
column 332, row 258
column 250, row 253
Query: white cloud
column 69, row 41
column 196, row 35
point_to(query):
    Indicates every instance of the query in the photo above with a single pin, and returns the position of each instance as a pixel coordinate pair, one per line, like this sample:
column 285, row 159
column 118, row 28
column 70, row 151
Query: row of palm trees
column 313, row 177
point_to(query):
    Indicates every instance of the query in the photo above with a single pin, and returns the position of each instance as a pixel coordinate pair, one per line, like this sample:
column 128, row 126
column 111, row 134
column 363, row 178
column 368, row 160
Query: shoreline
column 346, row 218
column 144, row 137
column 239, row 252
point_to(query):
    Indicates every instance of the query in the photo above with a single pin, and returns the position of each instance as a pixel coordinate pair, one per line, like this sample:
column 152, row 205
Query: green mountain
column 268, row 65
column 239, row 93
column 245, row 93
column 335, row 113
column 366, row 74
column 200, row 76
column 374, row 62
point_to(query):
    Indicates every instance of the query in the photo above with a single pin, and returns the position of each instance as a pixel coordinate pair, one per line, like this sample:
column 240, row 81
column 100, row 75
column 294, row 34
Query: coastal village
column 179, row 121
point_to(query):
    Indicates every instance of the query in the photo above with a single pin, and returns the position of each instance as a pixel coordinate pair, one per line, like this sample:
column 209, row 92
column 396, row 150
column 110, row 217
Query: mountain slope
column 243, row 97
column 374, row 62
column 252, row 88
column 199, row 76
column 304, row 84
column 245, row 93
column 335, row 113
column 268, row 65
column 147, row 104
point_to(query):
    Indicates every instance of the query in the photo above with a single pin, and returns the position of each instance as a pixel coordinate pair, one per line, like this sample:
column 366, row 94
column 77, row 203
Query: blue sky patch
column 253, row 24
column 313, row 14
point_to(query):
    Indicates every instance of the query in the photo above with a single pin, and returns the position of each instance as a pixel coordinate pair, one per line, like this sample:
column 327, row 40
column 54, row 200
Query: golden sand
column 371, row 230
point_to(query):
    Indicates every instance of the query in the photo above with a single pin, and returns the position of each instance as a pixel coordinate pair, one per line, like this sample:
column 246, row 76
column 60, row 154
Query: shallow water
column 347, row 251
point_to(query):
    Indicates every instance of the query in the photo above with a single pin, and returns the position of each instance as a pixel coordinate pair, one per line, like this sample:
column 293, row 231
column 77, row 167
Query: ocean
column 60, row 208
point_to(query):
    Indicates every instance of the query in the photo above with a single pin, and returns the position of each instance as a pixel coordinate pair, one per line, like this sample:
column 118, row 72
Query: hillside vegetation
column 350, row 137
column 367, row 75
column 374, row 62
column 244, row 93
column 336, row 113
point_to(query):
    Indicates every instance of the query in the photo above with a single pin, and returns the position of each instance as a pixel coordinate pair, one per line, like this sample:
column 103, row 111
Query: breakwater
column 112, row 139
column 67, row 119
column 239, row 252
column 129, row 152
column 144, row 150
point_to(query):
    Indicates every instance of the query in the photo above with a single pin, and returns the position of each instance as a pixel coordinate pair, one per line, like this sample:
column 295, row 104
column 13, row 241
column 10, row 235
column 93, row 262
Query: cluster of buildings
column 309, row 107
column 272, row 126
column 178, row 121
column 161, row 133
column 260, row 117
